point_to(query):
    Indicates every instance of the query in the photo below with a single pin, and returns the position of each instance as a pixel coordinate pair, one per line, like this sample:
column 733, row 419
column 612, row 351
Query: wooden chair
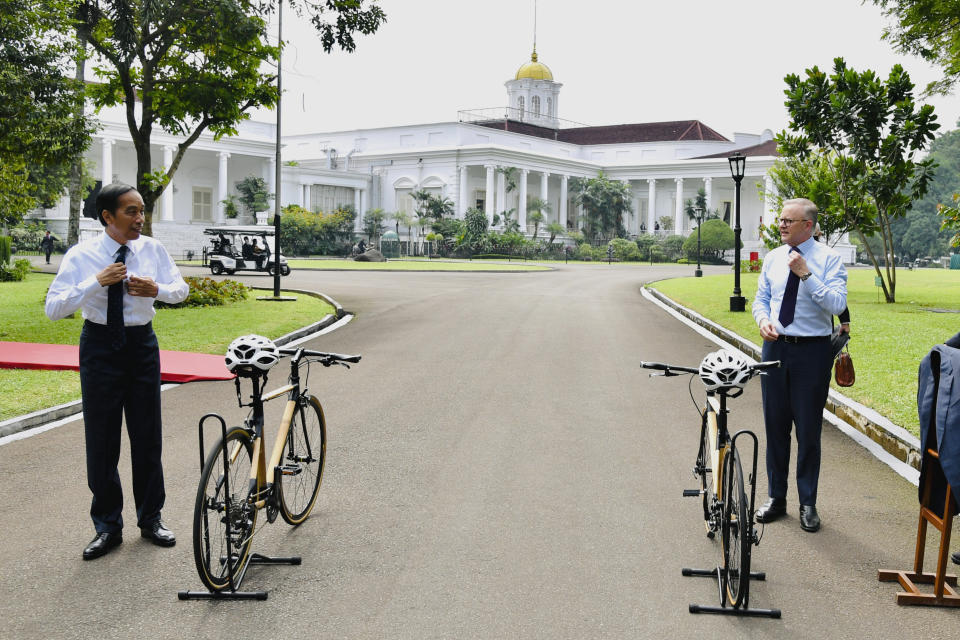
column 944, row 591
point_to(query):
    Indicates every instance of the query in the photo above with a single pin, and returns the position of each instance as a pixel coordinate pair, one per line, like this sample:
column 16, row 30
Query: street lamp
column 738, row 164
column 698, row 214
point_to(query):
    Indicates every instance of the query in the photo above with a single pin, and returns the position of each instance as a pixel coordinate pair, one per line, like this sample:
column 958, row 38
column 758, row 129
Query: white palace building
column 664, row 164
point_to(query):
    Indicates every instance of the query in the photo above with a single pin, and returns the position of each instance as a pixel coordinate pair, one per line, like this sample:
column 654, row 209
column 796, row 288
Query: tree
column 554, row 229
column 475, row 225
column 690, row 207
column 373, row 223
column 874, row 132
column 716, row 236
column 604, row 202
column 402, row 218
column 253, row 194
column 815, row 178
column 40, row 131
column 537, row 208
column 191, row 66
column 929, row 29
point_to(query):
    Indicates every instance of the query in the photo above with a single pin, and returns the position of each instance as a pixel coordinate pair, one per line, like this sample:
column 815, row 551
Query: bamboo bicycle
column 237, row 481
column 720, row 473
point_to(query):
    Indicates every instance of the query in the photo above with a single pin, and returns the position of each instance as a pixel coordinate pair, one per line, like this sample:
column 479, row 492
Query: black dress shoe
column 102, row 545
column 809, row 520
column 772, row 510
column 158, row 534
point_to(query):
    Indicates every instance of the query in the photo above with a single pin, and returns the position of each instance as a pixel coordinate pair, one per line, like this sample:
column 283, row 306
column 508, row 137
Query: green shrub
column 625, row 250
column 716, row 237
column 14, row 272
column 207, row 292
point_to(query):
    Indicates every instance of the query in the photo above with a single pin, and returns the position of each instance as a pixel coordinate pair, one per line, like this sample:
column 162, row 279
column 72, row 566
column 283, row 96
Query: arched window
column 535, row 104
column 520, row 106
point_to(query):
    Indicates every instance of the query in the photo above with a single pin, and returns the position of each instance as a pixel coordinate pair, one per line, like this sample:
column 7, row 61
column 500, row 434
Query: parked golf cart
column 225, row 253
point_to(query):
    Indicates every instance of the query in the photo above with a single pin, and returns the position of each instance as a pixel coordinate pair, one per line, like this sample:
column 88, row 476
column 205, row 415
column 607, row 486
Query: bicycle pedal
column 290, row 470
column 692, row 493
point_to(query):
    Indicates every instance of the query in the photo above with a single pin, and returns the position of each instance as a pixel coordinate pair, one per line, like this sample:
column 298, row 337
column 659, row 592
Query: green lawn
column 413, row 264
column 202, row 330
column 888, row 340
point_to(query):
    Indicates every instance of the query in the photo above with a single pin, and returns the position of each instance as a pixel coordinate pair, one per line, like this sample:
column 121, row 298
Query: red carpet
column 175, row 366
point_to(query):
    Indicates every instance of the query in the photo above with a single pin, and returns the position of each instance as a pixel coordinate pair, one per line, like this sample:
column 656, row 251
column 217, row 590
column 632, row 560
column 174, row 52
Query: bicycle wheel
column 215, row 553
column 736, row 535
column 704, row 472
column 302, row 461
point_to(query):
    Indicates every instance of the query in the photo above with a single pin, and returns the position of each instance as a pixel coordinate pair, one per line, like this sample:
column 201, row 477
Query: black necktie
column 789, row 304
column 115, row 305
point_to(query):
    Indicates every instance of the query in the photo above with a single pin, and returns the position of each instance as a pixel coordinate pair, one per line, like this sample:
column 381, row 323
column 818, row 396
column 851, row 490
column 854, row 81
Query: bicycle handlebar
column 326, row 358
column 675, row 370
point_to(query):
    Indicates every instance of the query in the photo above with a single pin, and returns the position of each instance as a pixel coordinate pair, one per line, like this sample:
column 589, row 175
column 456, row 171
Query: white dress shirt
column 821, row 296
column 76, row 286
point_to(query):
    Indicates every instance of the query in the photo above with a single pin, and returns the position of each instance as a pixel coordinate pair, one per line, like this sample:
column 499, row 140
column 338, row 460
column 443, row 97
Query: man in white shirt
column 803, row 284
column 113, row 279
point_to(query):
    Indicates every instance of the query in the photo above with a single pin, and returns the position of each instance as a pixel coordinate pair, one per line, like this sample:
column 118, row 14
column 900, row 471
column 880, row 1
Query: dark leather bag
column 843, row 371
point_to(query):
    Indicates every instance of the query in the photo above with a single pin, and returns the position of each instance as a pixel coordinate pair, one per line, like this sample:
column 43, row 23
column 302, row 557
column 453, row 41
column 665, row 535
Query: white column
column 501, row 194
column 651, row 205
column 358, row 207
column 708, row 187
column 563, row 201
column 522, row 202
column 637, row 212
column 580, row 220
column 222, row 185
column 544, row 188
column 166, row 201
column 272, row 176
column 678, row 209
column 488, row 195
column 463, row 205
column 304, row 200
column 106, row 160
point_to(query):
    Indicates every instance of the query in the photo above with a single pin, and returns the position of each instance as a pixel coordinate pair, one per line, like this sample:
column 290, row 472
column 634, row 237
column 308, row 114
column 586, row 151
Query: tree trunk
column 75, row 189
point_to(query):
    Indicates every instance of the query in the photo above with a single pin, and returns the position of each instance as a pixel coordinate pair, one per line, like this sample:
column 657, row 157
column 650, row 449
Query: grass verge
column 197, row 329
column 402, row 265
column 888, row 340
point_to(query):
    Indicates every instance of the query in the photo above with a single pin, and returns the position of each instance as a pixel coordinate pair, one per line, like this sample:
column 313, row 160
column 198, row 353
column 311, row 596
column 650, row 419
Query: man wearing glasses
column 803, row 284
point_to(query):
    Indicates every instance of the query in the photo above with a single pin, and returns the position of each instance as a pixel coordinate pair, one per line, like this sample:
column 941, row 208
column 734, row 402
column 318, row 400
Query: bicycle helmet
column 251, row 355
column 724, row 370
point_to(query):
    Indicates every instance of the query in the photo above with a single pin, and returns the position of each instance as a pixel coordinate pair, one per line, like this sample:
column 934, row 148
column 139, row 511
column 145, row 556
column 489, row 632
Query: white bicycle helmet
column 251, row 355
column 724, row 370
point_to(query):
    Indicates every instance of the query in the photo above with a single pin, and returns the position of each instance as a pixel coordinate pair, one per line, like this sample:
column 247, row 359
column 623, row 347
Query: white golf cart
column 231, row 249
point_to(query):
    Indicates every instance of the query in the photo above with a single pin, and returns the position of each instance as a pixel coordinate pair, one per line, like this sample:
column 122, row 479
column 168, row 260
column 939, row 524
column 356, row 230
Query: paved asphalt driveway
column 499, row 467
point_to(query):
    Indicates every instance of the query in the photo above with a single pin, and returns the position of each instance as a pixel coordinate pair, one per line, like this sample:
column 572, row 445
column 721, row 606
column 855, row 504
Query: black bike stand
column 233, row 594
column 744, row 611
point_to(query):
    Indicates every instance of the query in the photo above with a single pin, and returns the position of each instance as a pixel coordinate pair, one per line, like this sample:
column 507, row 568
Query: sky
column 620, row 61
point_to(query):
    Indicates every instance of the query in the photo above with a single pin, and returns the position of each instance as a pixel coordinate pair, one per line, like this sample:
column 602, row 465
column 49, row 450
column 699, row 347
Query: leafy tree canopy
column 874, row 132
column 929, row 29
column 605, row 203
column 716, row 236
column 190, row 66
column 40, row 135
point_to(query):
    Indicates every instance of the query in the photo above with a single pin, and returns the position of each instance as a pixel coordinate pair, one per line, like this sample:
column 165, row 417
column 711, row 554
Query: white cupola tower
column 532, row 95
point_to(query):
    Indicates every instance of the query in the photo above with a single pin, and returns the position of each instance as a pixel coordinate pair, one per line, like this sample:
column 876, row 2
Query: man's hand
column 797, row 264
column 112, row 274
column 768, row 331
column 142, row 286
column 845, row 327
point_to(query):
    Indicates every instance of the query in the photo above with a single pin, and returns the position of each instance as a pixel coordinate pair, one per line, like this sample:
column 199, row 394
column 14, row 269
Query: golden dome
column 534, row 70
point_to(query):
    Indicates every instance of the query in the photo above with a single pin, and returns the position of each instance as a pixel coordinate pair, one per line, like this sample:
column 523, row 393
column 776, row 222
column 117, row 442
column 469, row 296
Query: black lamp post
column 738, row 164
column 698, row 212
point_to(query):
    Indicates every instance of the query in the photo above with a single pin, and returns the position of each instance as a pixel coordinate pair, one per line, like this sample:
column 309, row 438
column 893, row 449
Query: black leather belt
column 801, row 339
